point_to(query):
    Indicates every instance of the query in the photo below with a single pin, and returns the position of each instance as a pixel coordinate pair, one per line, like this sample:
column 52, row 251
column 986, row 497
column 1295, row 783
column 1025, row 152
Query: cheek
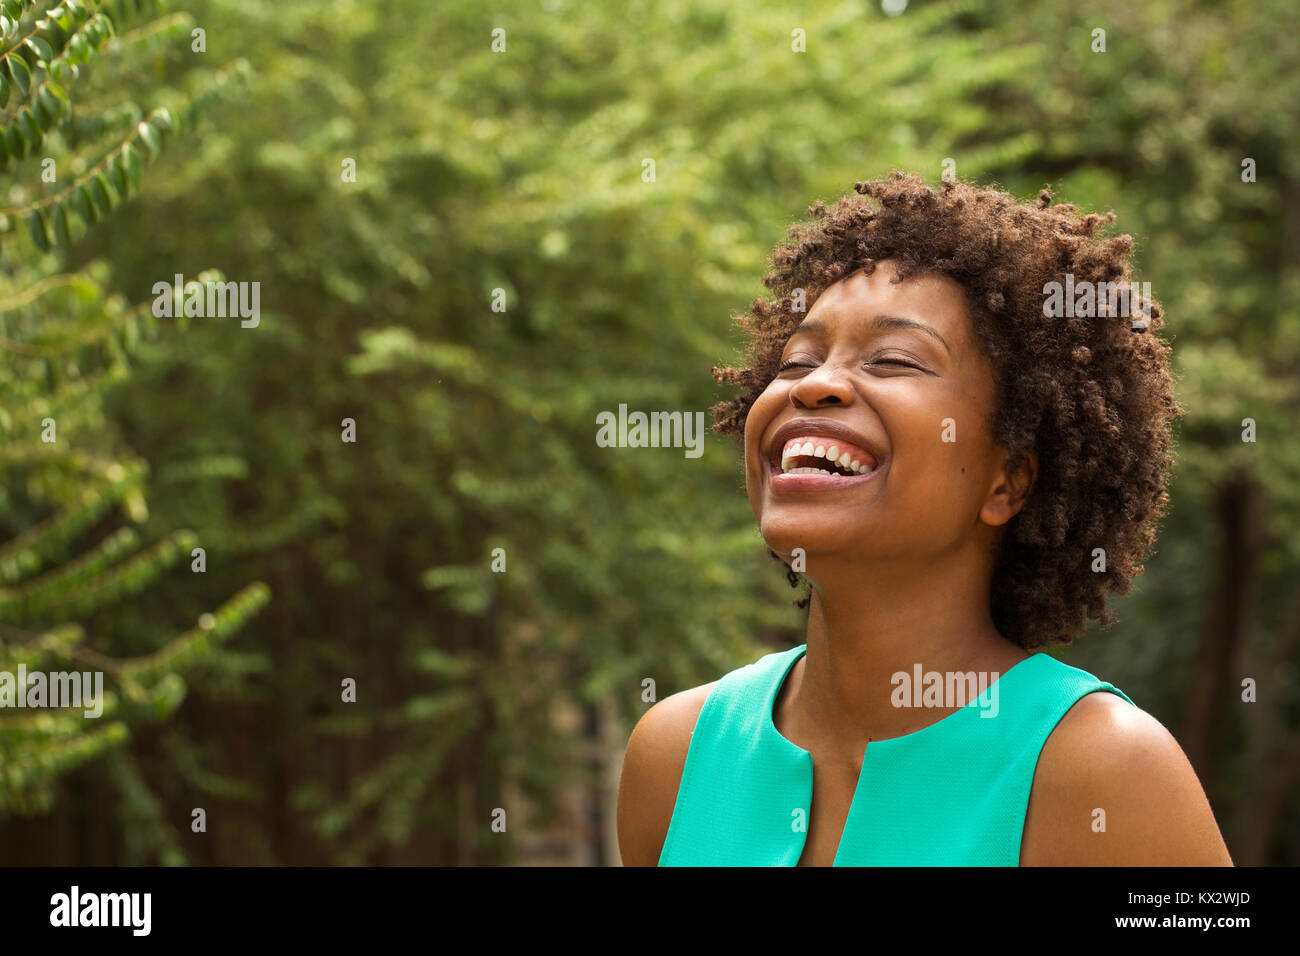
column 941, row 453
column 760, row 417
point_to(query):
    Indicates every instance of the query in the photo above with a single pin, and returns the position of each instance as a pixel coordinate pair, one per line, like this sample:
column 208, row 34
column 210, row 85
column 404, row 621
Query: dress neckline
column 971, row 706
column 889, row 743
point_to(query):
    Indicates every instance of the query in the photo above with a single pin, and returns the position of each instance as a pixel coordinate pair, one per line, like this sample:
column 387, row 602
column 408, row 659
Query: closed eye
column 787, row 365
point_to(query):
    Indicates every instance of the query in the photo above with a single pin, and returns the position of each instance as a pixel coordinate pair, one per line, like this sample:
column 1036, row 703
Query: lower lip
column 783, row 483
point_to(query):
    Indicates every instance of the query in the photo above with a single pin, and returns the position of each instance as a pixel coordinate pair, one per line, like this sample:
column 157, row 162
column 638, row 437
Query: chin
column 785, row 534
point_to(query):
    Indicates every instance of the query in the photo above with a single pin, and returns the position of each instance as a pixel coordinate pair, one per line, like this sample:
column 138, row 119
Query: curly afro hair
column 1093, row 396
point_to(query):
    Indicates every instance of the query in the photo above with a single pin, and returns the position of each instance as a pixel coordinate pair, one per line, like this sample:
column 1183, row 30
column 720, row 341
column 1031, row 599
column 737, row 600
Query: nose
column 822, row 386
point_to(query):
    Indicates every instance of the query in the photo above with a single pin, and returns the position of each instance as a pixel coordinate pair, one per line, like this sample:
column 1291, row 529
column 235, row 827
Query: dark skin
column 900, row 568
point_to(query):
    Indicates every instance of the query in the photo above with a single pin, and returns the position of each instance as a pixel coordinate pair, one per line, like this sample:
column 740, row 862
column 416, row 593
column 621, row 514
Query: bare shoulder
column 1114, row 788
column 652, row 770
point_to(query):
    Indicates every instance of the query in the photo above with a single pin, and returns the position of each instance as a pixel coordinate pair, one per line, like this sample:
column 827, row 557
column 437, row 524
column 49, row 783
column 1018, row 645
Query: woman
column 962, row 471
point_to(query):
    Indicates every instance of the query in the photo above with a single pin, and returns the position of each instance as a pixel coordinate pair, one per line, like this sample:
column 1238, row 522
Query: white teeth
column 845, row 460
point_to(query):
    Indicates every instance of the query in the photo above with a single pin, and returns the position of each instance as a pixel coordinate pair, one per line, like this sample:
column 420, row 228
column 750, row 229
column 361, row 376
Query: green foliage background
column 522, row 171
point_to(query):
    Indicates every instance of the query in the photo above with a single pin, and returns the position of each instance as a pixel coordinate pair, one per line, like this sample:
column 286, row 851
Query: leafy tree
column 74, row 148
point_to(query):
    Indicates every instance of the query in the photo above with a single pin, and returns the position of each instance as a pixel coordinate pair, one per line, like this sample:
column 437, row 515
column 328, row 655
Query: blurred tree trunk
column 1231, row 600
column 595, row 753
column 1272, row 753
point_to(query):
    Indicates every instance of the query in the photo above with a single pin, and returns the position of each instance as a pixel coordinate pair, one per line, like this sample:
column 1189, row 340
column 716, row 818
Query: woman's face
column 894, row 378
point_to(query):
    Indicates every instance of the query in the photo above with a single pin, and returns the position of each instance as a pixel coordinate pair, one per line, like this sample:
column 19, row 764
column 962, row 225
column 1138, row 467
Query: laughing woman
column 962, row 480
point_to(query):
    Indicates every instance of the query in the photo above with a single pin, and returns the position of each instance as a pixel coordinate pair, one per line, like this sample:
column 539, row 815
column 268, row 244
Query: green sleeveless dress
column 952, row 794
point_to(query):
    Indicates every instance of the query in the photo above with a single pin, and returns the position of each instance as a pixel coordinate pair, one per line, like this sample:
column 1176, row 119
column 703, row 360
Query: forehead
column 934, row 299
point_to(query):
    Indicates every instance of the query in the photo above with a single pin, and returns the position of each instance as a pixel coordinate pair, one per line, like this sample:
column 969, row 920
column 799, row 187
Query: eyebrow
column 883, row 323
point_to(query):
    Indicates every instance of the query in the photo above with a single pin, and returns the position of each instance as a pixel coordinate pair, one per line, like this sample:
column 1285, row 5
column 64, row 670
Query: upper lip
column 824, row 427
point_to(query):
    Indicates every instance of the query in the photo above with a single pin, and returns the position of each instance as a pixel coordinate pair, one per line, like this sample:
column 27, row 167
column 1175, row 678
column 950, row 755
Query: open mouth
column 807, row 455
column 815, row 463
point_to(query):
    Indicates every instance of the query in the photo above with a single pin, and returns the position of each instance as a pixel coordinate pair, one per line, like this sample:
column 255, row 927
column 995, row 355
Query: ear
column 1010, row 491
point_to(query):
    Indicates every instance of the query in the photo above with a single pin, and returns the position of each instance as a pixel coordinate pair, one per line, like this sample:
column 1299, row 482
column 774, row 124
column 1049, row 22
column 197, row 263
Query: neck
column 866, row 624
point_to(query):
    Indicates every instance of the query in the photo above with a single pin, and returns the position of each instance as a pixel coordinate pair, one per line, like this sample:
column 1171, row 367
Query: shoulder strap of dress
column 959, row 789
column 738, row 784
